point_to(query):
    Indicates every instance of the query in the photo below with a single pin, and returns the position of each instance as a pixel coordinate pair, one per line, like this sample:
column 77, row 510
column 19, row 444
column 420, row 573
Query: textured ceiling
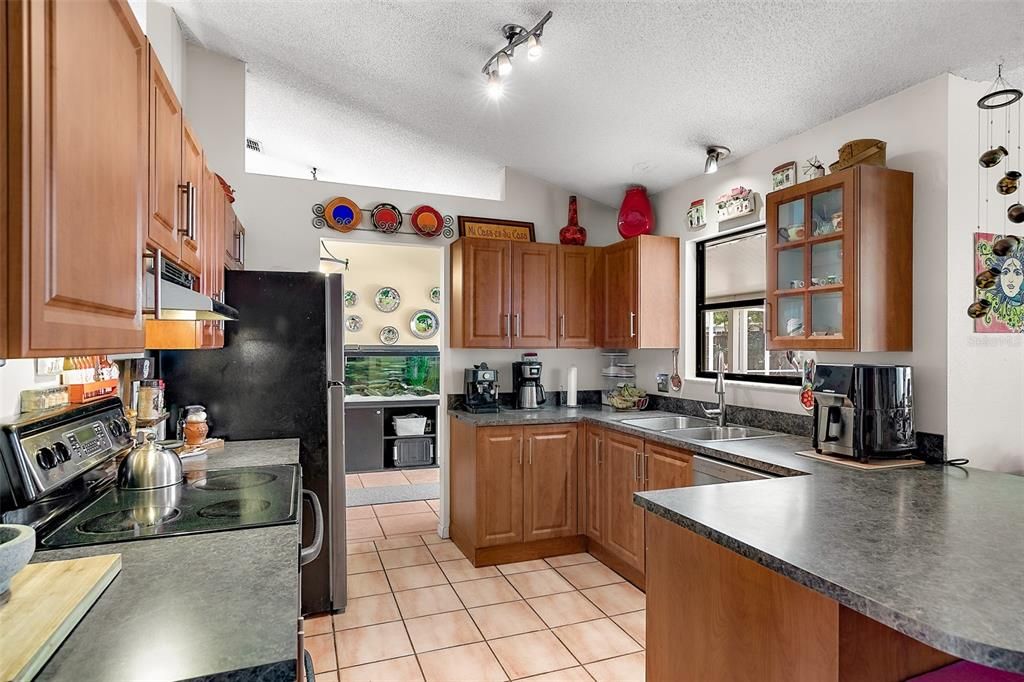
column 625, row 92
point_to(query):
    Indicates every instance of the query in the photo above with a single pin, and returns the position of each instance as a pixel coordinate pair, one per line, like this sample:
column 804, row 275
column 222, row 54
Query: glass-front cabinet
column 839, row 257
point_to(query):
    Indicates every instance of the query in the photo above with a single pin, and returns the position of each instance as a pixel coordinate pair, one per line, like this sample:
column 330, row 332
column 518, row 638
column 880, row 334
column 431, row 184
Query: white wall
column 164, row 33
column 15, row 377
column 913, row 122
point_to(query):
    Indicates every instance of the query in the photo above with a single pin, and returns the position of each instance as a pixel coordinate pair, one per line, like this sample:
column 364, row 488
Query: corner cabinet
column 840, row 262
column 640, row 293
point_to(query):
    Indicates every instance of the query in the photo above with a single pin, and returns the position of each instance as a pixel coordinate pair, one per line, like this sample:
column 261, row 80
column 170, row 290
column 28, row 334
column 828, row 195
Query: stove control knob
column 46, row 458
column 61, row 451
column 126, row 427
column 116, row 428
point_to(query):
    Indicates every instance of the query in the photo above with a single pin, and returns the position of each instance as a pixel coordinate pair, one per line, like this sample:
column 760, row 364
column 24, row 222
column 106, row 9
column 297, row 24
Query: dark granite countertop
column 934, row 552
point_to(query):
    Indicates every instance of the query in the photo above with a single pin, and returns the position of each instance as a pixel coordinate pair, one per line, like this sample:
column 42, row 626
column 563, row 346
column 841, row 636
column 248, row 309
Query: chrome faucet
column 719, row 413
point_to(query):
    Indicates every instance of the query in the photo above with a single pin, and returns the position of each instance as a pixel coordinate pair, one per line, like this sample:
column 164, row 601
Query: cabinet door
column 193, row 165
column 534, row 295
column 78, row 171
column 166, row 199
column 486, row 293
column 666, row 467
column 549, row 482
column 230, row 234
column 499, row 485
column 576, row 296
column 211, row 236
column 625, row 532
column 240, row 242
column 620, row 295
column 364, row 439
column 595, row 517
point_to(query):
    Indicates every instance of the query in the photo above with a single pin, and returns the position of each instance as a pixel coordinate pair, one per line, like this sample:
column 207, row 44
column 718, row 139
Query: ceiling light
column 495, row 88
column 504, row 64
column 715, row 155
column 534, row 50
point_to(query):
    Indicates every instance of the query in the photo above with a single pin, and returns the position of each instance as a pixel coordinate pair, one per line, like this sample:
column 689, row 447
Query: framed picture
column 784, row 176
column 492, row 228
column 1005, row 297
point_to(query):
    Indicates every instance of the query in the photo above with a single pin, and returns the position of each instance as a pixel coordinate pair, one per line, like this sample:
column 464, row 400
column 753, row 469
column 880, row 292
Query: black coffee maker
column 527, row 390
column 864, row 411
column 481, row 389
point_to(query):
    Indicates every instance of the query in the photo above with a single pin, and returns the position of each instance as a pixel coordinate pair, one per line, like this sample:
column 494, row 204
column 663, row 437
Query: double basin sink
column 696, row 428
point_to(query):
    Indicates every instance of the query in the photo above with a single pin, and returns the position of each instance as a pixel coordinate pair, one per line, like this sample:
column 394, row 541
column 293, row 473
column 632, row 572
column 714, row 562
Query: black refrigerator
column 281, row 374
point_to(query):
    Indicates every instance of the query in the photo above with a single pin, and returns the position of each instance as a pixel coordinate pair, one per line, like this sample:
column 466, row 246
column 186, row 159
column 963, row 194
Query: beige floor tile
column 463, row 663
column 565, row 608
column 442, row 630
column 372, row 643
column 531, row 654
column 379, row 478
column 364, row 512
column 363, row 611
column 539, row 583
column 432, row 538
column 486, row 591
column 361, row 547
column 446, row 550
column 503, row 620
column 399, row 542
column 460, row 570
column 317, row 625
column 326, row 677
column 426, row 601
column 435, row 505
column 576, row 674
column 594, row 640
column 404, row 669
column 631, row 668
column 321, row 650
column 409, row 556
column 417, row 476
column 523, row 567
column 616, row 598
column 411, row 577
column 365, row 584
column 635, row 625
column 364, row 563
column 399, row 508
column 352, row 481
column 409, row 523
column 570, row 559
column 363, row 529
column 593, row 574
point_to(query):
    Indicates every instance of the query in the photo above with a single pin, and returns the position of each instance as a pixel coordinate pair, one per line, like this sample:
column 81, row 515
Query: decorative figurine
column 814, row 168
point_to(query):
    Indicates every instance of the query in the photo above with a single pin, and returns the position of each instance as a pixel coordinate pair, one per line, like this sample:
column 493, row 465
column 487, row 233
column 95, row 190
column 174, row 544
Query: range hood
column 179, row 303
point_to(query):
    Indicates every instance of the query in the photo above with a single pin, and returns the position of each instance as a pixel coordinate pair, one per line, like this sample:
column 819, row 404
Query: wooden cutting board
column 47, row 601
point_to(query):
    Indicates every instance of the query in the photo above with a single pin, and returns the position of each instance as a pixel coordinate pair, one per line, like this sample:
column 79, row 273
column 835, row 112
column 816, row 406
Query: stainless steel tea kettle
column 149, row 465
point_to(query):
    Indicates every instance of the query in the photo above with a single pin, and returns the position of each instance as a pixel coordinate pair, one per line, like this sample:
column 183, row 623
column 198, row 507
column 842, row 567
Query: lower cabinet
column 595, row 518
column 549, row 482
column 623, row 461
column 499, row 476
column 666, row 467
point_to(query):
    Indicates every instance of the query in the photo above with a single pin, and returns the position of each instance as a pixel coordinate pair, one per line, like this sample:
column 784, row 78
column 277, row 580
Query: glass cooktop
column 219, row 499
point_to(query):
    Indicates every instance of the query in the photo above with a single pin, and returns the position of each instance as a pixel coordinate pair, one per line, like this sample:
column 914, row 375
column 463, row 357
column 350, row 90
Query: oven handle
column 310, row 553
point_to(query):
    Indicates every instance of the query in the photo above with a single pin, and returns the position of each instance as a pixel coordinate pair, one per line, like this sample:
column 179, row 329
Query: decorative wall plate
column 387, row 299
column 353, row 323
column 427, row 221
column 435, row 294
column 386, row 218
column 351, row 298
column 388, row 335
column 342, row 214
column 423, row 324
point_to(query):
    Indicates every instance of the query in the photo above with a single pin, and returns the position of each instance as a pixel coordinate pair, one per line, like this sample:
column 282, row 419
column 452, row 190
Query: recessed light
column 715, row 154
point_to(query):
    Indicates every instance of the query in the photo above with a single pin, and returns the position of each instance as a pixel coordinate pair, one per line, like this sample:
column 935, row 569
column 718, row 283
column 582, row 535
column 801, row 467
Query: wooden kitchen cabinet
column 193, row 168
column 77, row 94
column 212, row 238
column 549, row 482
column 499, row 485
column 577, row 296
column 166, row 200
column 595, row 518
column 640, row 293
column 234, row 238
column 840, row 262
column 534, row 295
column 666, row 467
column 623, row 461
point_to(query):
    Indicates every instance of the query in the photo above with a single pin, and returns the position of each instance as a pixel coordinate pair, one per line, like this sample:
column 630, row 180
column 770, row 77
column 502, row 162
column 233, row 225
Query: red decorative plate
column 386, row 218
column 427, row 221
column 342, row 214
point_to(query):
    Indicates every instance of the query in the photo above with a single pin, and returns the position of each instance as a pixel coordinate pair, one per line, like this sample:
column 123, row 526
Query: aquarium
column 393, row 373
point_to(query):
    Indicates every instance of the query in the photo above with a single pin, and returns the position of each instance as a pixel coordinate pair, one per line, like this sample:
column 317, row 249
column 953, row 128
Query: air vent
column 254, row 145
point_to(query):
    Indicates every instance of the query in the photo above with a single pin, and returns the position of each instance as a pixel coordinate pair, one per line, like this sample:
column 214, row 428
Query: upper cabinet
column 577, row 287
column 193, row 167
column 234, row 237
column 78, row 94
column 840, row 262
column 534, row 295
column 640, row 293
column 167, row 195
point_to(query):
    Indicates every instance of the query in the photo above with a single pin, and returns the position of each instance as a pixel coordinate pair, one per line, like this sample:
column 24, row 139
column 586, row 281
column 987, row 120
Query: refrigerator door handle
column 310, row 553
column 335, row 303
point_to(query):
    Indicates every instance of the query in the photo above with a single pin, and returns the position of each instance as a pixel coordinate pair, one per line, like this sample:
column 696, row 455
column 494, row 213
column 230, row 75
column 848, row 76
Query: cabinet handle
column 632, row 325
column 186, row 227
column 644, row 463
column 561, row 325
column 519, row 326
column 157, row 255
column 520, row 453
column 530, row 455
column 194, row 223
column 241, row 249
column 636, row 466
column 508, row 326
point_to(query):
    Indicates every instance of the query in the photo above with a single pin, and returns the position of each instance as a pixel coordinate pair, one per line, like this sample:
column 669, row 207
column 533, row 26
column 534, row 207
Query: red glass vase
column 573, row 234
column 636, row 216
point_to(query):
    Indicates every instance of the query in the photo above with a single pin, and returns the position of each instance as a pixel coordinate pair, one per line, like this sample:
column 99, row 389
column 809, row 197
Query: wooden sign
column 489, row 228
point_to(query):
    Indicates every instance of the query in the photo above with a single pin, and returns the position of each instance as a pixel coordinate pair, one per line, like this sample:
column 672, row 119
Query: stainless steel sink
column 720, row 433
column 666, row 423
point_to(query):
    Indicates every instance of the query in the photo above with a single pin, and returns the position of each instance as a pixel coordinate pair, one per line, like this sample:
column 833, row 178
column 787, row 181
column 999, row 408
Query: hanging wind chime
column 999, row 258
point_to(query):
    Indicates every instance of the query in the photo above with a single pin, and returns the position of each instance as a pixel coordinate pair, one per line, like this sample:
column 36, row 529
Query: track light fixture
column 500, row 63
column 715, row 154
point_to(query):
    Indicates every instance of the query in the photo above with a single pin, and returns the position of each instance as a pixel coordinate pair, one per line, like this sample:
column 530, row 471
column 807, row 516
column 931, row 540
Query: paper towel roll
column 571, row 398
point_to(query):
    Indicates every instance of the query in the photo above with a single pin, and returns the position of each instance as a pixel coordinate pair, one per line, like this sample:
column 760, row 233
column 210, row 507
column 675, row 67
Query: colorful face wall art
column 1006, row 314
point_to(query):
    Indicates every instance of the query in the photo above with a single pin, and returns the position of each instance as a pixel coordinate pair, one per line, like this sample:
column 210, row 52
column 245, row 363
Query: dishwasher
column 707, row 471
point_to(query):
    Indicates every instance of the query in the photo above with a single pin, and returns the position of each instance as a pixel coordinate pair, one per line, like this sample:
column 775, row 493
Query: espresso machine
column 526, row 386
column 864, row 411
column 481, row 388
